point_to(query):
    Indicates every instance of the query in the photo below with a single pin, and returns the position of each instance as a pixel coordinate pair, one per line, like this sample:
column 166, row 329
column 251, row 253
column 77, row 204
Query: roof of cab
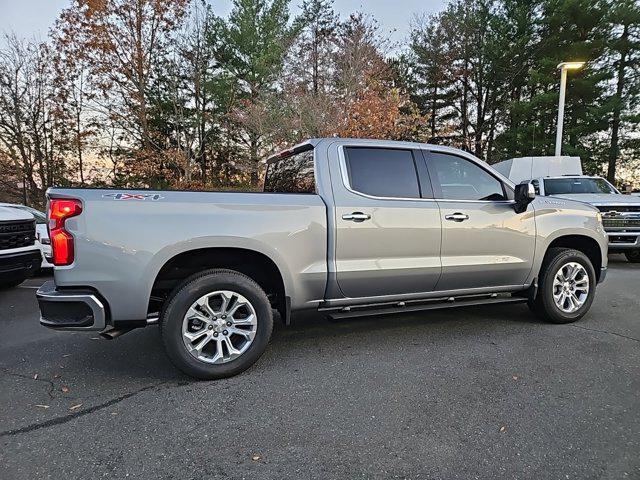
column 314, row 142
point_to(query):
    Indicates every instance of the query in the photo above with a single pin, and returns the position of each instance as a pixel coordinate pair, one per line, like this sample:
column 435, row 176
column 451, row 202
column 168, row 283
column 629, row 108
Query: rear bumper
column 19, row 265
column 80, row 309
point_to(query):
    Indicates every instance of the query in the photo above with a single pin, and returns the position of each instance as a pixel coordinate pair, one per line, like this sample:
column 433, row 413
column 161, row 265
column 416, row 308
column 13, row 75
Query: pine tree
column 250, row 48
column 624, row 59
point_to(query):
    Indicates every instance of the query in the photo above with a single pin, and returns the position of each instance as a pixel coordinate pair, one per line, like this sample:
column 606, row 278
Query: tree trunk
column 617, row 109
column 465, row 107
column 253, row 156
column 79, row 146
column 315, row 60
column 434, row 111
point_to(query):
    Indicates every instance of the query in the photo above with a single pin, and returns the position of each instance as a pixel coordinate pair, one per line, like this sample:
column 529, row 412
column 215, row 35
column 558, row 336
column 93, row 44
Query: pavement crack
column 67, row 418
column 28, row 377
column 605, row 331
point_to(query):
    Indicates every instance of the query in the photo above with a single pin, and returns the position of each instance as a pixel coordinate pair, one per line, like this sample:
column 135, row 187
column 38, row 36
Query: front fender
column 557, row 219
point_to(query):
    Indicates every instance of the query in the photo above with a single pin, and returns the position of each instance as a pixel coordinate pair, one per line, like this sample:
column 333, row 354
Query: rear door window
column 382, row 172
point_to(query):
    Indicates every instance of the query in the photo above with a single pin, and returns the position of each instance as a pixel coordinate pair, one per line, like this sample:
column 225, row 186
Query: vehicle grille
column 17, row 234
column 619, row 208
column 621, row 223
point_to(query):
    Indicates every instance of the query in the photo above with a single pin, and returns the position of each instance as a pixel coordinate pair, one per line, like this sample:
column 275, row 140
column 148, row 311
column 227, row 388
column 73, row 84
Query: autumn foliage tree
column 120, row 43
column 171, row 94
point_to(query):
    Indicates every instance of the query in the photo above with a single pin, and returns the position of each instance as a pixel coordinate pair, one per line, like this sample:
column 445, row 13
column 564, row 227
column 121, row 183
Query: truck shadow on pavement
column 140, row 353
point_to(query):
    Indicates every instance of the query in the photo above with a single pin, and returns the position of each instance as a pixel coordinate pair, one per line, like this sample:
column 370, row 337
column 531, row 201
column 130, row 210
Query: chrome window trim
column 344, row 173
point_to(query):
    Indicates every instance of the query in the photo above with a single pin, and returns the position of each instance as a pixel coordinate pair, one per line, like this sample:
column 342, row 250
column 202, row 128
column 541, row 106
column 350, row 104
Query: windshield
column 559, row 186
column 40, row 217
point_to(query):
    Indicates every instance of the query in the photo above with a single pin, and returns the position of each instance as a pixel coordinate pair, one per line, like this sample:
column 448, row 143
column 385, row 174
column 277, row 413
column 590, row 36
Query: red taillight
column 61, row 240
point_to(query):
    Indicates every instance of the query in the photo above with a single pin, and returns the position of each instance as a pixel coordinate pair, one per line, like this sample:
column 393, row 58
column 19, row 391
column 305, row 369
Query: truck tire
column 566, row 286
column 633, row 256
column 216, row 324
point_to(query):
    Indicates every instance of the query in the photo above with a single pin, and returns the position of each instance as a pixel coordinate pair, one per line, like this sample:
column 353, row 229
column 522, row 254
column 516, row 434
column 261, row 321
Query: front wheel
column 633, row 256
column 216, row 324
column 566, row 286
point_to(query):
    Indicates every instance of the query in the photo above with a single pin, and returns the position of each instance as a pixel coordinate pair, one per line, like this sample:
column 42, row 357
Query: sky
column 28, row 18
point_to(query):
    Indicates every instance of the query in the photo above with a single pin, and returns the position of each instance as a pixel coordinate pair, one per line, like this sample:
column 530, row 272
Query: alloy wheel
column 570, row 287
column 219, row 327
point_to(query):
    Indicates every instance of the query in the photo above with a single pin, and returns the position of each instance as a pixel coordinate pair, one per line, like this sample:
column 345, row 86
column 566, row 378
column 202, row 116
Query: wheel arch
column 256, row 264
column 583, row 243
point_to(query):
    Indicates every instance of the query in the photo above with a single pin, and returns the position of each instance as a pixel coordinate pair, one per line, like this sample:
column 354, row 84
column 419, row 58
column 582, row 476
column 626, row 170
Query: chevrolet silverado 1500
column 343, row 227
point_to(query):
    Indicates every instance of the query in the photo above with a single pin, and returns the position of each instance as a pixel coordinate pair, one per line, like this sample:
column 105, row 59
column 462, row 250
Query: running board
column 404, row 307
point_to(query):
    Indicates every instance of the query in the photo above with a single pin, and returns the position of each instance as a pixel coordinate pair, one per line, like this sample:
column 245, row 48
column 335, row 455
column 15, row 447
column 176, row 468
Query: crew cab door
column 387, row 226
column 485, row 243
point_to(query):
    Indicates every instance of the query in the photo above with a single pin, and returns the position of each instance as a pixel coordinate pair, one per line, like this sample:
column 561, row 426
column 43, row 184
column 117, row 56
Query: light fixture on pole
column 564, row 67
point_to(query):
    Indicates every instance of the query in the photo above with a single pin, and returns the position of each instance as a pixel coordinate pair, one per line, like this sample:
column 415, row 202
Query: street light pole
column 564, row 66
column 563, row 89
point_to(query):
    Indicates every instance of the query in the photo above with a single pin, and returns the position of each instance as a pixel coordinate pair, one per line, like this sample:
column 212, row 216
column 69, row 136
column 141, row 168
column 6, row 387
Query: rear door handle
column 457, row 217
column 356, row 217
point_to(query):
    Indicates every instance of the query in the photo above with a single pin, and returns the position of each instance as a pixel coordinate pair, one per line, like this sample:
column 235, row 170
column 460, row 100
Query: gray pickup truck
column 343, row 227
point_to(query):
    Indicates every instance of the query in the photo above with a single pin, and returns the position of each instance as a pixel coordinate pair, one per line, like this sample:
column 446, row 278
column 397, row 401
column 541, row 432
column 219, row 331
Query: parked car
column 19, row 255
column 555, row 176
column 344, row 227
column 42, row 234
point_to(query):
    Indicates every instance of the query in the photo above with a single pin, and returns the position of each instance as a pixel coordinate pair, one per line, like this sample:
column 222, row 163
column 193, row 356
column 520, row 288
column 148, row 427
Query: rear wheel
column 216, row 324
column 633, row 256
column 566, row 286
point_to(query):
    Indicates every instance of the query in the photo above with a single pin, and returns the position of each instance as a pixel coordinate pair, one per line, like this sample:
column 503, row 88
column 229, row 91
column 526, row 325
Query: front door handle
column 457, row 217
column 356, row 216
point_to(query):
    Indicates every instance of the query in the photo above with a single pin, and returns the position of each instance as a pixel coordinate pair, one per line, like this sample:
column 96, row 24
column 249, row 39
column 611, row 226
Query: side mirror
column 524, row 195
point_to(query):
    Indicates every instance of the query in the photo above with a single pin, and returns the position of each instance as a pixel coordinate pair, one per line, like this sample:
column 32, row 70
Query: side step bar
column 404, row 307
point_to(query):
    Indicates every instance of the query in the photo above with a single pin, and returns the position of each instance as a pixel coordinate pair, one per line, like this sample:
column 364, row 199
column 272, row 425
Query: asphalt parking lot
column 485, row 392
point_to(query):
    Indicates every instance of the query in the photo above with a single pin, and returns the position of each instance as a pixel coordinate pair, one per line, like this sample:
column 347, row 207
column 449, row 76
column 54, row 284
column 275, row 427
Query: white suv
column 42, row 234
column 20, row 257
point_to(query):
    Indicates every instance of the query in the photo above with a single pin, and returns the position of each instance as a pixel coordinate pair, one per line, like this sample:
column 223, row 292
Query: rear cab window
column 291, row 172
column 383, row 172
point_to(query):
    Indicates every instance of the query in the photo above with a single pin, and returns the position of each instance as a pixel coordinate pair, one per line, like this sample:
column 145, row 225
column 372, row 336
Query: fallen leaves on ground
column 65, row 389
column 73, row 408
column 42, row 406
column 255, row 458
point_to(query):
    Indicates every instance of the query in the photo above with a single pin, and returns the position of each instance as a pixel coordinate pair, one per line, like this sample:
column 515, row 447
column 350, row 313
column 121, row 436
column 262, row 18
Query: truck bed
column 125, row 237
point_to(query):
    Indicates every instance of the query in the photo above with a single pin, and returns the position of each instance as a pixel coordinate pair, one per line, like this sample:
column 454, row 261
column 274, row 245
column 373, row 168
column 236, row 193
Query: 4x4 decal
column 133, row 196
